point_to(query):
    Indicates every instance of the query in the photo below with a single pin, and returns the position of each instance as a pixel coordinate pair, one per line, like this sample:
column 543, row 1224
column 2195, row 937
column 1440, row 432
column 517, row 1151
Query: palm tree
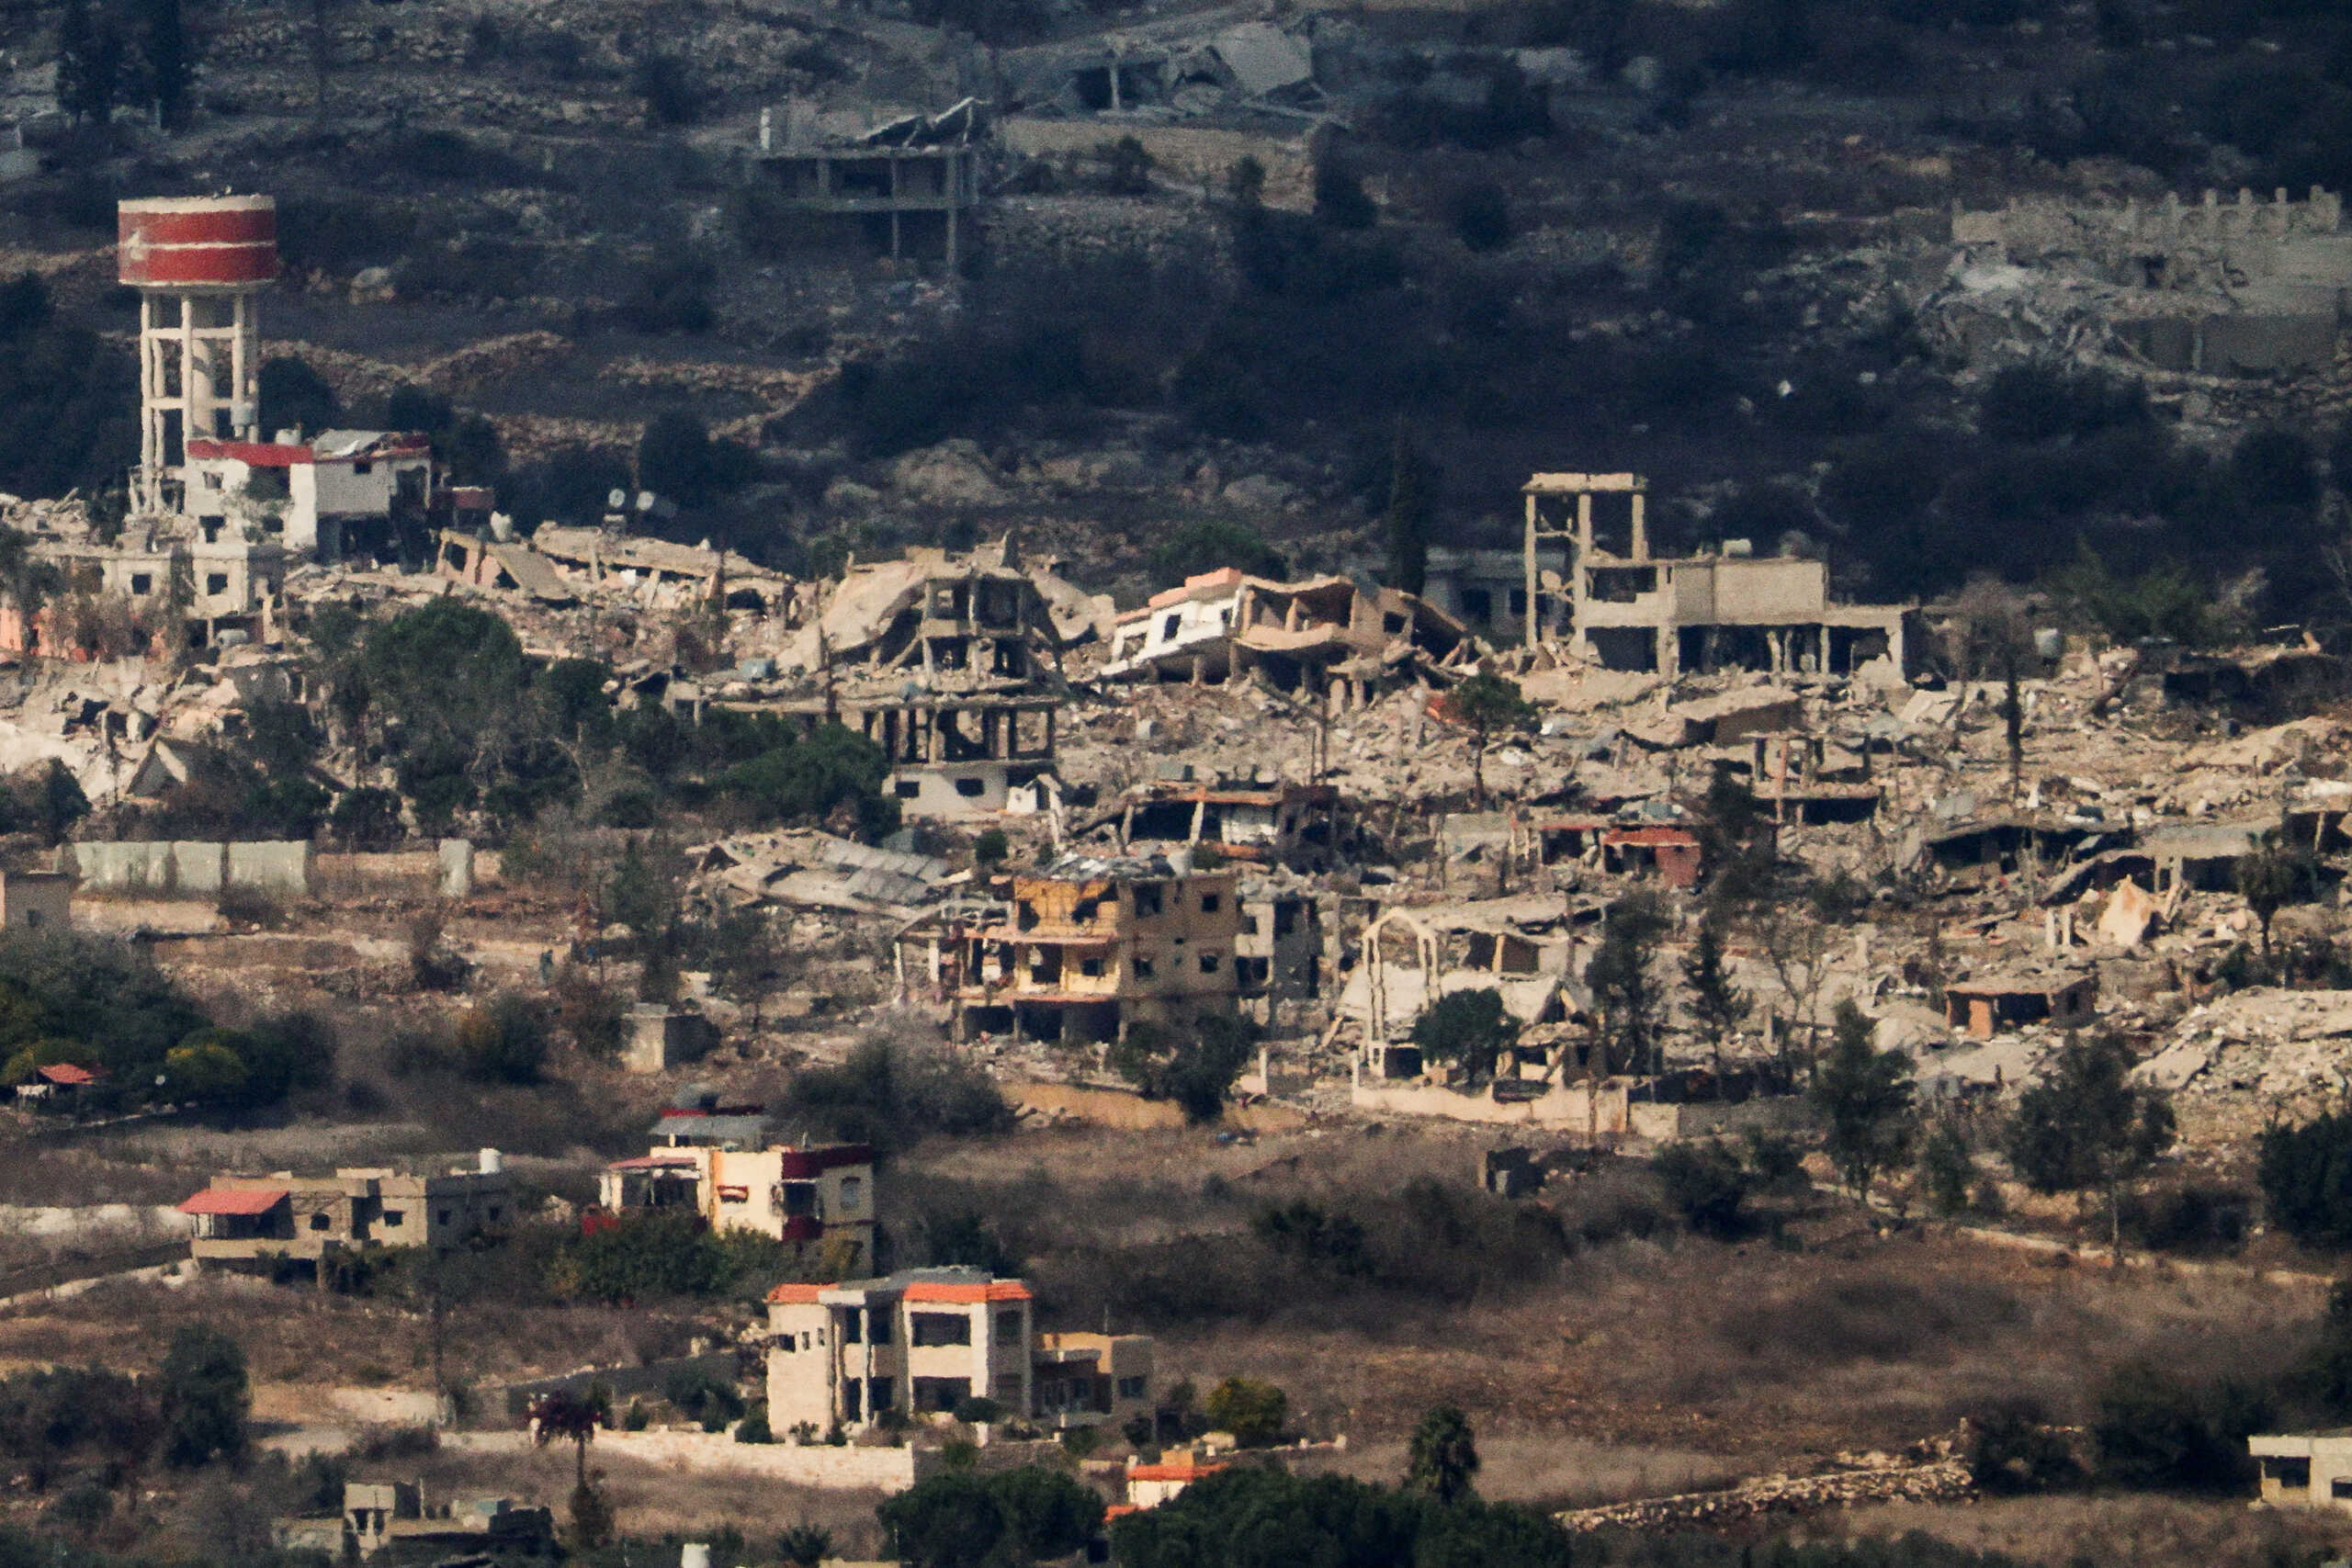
column 1444, row 1462
column 561, row 1416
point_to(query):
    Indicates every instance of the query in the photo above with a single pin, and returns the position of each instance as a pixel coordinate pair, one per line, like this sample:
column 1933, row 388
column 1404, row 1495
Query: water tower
column 199, row 264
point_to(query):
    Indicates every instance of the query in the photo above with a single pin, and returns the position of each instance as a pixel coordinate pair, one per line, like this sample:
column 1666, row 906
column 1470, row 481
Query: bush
column 894, row 1093
column 1707, row 1182
column 960, row 1519
column 668, row 87
column 753, row 1428
column 502, row 1040
column 1479, row 213
column 1252, row 1410
column 2155, row 1432
column 2012, row 1449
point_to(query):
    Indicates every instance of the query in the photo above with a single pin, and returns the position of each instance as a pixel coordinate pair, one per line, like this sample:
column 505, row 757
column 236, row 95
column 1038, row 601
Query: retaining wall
column 192, row 868
column 817, row 1464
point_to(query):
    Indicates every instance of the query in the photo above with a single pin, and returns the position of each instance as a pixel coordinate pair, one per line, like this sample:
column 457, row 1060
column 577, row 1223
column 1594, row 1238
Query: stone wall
column 1941, row 1481
column 846, row 1469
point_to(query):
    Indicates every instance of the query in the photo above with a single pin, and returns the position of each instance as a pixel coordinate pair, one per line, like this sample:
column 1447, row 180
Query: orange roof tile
column 792, row 1291
column 946, row 1291
column 1187, row 1470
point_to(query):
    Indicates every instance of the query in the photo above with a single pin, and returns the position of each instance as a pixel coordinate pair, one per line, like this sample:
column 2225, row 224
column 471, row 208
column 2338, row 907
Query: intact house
column 1082, row 950
column 1327, row 637
column 1632, row 609
column 820, row 1197
column 245, row 1218
column 2304, row 1469
column 924, row 1340
column 342, row 495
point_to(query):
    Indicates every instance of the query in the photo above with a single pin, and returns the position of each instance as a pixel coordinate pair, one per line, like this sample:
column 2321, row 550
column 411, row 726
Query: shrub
column 668, row 87
column 1251, row 1410
column 502, row 1040
column 2155, row 1432
column 1479, row 213
column 2012, row 1449
column 2306, row 1178
column 1708, row 1183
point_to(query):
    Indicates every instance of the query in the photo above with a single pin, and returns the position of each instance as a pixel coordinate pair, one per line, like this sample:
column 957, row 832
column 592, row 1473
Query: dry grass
column 2145, row 1532
column 1754, row 1356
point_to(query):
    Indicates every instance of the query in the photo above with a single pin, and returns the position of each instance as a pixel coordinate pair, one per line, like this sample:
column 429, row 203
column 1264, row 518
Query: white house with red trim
column 924, row 1340
column 822, row 1195
column 338, row 494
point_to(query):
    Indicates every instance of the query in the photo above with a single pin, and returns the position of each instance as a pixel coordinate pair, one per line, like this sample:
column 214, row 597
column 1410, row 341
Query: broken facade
column 1629, row 609
column 1082, row 950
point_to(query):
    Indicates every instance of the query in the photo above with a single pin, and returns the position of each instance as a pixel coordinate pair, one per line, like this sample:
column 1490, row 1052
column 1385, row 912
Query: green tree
column 804, row 1545
column 1245, row 183
column 2305, row 1173
column 1468, row 1028
column 1489, row 704
column 90, row 56
column 1195, row 1069
column 990, row 850
column 2086, row 1127
column 295, row 397
column 1411, row 518
column 1048, row 1513
column 1865, row 1094
column 1622, row 979
column 204, row 1072
column 949, row 1520
column 1444, row 1459
column 167, row 59
column 1947, row 1167
column 2269, row 880
column 1211, row 544
column 207, row 1402
column 1251, row 1410
column 2154, row 1431
column 1479, row 212
column 1340, row 200
column 1717, row 1006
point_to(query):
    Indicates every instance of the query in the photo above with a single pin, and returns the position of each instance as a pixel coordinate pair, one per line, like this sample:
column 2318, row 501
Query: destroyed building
column 1263, row 820
column 1631, row 609
column 2215, row 285
column 1329, row 637
column 1082, row 950
column 341, row 493
column 391, row 1516
column 1409, row 957
column 910, row 186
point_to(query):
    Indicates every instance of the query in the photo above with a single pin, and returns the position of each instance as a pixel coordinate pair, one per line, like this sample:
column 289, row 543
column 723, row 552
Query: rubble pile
column 1938, row 1481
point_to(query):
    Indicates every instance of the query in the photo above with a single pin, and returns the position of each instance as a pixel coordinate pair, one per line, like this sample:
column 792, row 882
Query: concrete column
column 1531, row 575
column 1641, row 529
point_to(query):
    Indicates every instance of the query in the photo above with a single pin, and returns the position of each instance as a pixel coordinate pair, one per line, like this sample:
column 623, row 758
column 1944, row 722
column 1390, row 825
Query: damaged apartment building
column 1327, row 637
column 1632, row 609
column 953, row 666
column 2219, row 285
column 1081, row 952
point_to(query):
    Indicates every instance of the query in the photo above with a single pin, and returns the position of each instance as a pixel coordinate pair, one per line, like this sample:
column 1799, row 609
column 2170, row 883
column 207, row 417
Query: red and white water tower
column 199, row 264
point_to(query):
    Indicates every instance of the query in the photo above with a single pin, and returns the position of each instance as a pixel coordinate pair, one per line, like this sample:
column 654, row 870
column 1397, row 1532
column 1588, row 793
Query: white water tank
column 694, row 1554
column 493, row 1162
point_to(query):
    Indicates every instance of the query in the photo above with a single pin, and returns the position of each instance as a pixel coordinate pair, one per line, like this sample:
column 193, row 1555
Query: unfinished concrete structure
column 911, row 183
column 378, row 1514
column 1486, row 590
column 1330, row 636
column 36, row 900
column 1082, row 950
column 2304, row 1469
column 247, row 1218
column 1631, row 609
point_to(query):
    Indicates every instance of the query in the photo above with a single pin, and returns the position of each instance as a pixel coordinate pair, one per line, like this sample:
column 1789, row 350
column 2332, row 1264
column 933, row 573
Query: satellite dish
column 645, row 501
column 616, row 500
